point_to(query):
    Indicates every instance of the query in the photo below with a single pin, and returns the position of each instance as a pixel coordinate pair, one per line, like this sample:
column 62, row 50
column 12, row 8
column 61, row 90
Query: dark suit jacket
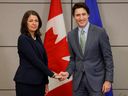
column 96, row 62
column 33, row 62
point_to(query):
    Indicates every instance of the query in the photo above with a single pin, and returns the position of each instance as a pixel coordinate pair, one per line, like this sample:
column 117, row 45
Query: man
column 91, row 60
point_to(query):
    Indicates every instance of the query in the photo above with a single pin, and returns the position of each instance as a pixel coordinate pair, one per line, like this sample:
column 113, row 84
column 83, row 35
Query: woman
column 32, row 75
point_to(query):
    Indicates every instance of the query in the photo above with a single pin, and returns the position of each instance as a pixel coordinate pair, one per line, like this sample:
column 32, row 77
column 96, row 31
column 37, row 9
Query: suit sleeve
column 107, row 55
column 71, row 67
column 26, row 49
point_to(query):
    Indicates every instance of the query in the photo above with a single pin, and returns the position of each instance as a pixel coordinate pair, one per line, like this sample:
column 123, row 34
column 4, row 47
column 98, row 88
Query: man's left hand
column 106, row 86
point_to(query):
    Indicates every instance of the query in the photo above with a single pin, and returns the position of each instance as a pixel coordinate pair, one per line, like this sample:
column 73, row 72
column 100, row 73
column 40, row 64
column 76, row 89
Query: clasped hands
column 61, row 76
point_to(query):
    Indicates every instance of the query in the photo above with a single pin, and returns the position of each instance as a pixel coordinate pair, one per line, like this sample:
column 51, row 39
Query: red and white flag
column 56, row 46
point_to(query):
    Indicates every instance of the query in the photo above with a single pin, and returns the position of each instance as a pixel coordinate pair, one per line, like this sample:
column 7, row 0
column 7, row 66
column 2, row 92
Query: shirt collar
column 85, row 28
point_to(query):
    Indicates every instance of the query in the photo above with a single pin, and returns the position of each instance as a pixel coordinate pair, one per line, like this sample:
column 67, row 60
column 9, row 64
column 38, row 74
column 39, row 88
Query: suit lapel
column 89, row 37
column 35, row 48
column 41, row 50
column 77, row 42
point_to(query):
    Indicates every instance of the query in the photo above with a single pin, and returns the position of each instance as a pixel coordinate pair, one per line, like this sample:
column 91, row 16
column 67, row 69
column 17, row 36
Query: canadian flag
column 56, row 46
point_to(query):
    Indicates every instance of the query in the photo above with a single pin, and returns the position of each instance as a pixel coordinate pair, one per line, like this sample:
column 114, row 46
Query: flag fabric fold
column 94, row 18
column 56, row 46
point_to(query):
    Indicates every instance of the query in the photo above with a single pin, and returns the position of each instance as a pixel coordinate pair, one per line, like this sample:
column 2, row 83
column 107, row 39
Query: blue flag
column 94, row 18
column 110, row 93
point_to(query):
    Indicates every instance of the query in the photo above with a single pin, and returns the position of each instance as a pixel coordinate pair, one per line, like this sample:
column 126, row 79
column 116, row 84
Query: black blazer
column 33, row 62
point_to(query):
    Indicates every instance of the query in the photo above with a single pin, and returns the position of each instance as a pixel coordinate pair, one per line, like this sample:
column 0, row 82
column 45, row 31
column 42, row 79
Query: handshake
column 61, row 76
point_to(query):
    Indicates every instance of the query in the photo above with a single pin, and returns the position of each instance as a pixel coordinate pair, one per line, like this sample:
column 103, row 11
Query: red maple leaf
column 56, row 52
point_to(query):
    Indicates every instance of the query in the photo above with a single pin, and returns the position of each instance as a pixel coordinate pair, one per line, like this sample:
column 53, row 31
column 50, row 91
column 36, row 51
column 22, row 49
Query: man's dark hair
column 80, row 5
